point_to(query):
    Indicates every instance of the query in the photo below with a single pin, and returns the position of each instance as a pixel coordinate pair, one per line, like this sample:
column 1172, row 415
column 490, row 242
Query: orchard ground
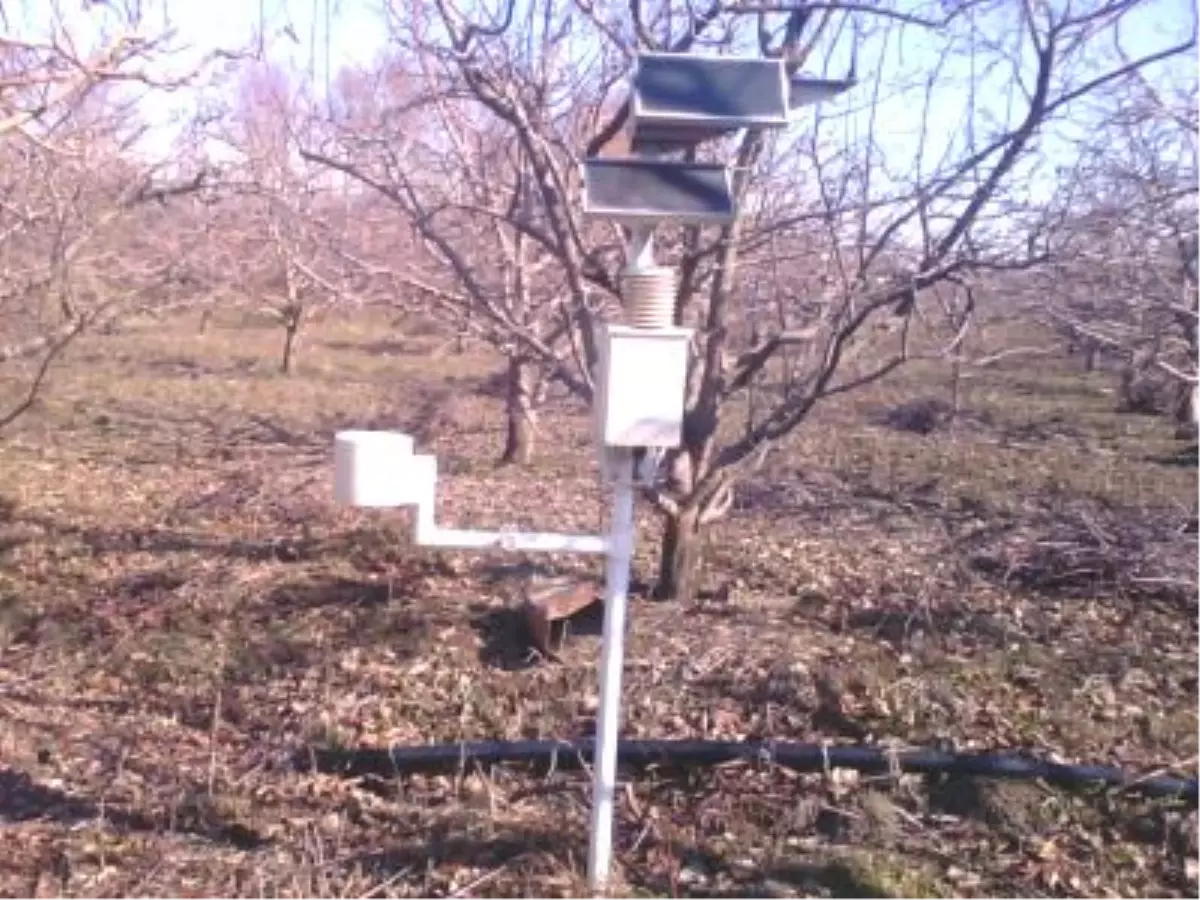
column 182, row 605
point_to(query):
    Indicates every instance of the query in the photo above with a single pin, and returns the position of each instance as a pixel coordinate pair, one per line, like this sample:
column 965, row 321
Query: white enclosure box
column 641, row 386
column 379, row 469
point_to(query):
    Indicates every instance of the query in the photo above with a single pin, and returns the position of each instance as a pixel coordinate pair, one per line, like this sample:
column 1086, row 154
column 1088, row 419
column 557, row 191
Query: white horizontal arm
column 512, row 540
column 429, row 534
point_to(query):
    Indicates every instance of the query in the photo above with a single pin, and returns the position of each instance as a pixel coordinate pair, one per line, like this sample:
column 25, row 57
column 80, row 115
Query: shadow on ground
column 22, row 799
column 502, row 861
column 297, row 621
column 507, row 643
column 1187, row 457
column 318, row 593
column 835, row 879
column 101, row 541
column 375, row 549
column 704, row 874
column 436, row 858
column 381, row 347
column 898, row 626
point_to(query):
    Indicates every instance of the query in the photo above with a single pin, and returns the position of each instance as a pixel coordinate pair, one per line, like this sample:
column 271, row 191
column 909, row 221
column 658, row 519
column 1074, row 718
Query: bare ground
column 182, row 606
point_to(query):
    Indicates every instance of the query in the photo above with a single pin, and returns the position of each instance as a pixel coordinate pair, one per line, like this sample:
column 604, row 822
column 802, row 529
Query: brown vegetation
column 183, row 607
column 904, row 511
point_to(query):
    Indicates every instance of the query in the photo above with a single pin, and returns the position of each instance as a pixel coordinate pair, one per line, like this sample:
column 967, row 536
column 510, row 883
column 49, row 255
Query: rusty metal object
column 549, row 600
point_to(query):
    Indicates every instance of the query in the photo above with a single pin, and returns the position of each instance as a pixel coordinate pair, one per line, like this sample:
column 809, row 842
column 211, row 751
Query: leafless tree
column 478, row 208
column 1124, row 275
column 280, row 222
column 881, row 229
column 81, row 206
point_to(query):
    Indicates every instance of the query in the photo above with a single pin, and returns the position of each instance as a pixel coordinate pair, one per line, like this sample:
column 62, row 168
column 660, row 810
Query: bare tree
column 481, row 209
column 881, row 229
column 1124, row 274
column 80, row 204
column 278, row 227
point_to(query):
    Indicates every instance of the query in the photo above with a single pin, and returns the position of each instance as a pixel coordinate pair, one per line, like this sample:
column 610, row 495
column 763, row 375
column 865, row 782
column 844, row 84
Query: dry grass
column 181, row 606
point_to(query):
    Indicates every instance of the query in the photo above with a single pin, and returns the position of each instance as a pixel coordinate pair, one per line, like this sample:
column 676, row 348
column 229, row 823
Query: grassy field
column 182, row 606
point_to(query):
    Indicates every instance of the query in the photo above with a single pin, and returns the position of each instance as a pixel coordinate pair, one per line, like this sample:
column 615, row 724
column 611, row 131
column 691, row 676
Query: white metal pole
column 612, row 657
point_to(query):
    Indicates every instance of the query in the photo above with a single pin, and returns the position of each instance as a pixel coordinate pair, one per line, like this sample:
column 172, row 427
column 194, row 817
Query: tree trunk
column 682, row 552
column 291, row 329
column 1125, row 388
column 521, row 414
column 1187, row 412
column 956, row 377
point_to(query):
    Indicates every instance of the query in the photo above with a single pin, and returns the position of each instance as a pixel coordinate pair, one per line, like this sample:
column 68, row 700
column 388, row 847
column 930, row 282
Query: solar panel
column 647, row 189
column 680, row 99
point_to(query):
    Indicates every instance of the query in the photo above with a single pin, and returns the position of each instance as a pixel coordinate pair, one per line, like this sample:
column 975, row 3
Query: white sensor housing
column 640, row 390
column 379, row 469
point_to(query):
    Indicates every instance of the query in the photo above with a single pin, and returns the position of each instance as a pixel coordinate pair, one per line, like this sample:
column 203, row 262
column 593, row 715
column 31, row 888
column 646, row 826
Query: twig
column 484, row 878
column 1161, row 770
column 384, row 885
column 1105, row 541
column 57, row 347
column 212, row 742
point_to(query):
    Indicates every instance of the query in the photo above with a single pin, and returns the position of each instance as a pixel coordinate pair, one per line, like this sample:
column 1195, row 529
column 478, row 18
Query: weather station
column 677, row 101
